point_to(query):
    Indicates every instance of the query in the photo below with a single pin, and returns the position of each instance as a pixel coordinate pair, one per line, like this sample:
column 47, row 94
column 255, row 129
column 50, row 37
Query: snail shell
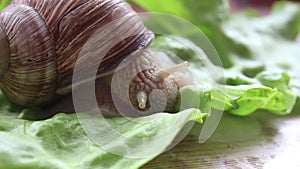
column 40, row 41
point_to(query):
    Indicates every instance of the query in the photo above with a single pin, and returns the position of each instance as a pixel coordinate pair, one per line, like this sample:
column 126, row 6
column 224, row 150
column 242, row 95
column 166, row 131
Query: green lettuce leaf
column 272, row 58
column 61, row 142
column 260, row 59
column 260, row 56
column 4, row 3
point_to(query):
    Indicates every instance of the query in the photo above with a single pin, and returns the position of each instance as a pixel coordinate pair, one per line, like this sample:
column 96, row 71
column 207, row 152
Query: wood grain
column 262, row 140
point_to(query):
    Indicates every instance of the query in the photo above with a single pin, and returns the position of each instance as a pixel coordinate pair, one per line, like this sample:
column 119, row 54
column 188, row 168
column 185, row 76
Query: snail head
column 154, row 85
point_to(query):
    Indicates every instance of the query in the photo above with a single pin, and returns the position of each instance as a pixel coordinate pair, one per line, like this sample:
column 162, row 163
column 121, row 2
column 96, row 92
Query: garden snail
column 40, row 41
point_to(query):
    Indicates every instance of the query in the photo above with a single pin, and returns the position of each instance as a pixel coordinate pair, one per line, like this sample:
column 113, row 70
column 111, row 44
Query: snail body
column 41, row 40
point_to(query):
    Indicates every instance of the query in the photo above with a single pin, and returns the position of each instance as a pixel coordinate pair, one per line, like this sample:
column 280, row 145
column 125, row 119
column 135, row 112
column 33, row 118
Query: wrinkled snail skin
column 134, row 86
column 41, row 41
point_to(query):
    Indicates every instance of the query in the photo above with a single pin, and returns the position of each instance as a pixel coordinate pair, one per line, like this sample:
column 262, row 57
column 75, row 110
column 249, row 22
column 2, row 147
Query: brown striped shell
column 40, row 41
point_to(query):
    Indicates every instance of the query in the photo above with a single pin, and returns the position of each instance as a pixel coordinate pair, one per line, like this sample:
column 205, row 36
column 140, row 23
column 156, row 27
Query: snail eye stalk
column 142, row 99
column 163, row 74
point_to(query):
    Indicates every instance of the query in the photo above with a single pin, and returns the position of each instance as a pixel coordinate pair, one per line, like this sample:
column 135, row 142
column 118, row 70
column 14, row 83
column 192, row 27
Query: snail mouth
column 4, row 53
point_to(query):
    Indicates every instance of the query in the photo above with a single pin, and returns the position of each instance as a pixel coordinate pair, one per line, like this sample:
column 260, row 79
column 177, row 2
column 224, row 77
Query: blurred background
column 262, row 6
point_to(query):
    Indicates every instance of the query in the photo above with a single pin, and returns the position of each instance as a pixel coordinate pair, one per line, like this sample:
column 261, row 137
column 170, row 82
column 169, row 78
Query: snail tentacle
column 164, row 73
column 142, row 99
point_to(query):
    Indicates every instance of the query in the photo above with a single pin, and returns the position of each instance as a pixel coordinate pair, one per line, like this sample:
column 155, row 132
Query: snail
column 40, row 44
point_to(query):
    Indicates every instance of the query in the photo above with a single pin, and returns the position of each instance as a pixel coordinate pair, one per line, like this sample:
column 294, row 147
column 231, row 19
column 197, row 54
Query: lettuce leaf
column 61, row 141
column 260, row 56
column 4, row 3
column 260, row 60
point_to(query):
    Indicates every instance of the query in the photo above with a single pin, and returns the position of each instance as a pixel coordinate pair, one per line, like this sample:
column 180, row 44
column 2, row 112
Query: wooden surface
column 262, row 140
